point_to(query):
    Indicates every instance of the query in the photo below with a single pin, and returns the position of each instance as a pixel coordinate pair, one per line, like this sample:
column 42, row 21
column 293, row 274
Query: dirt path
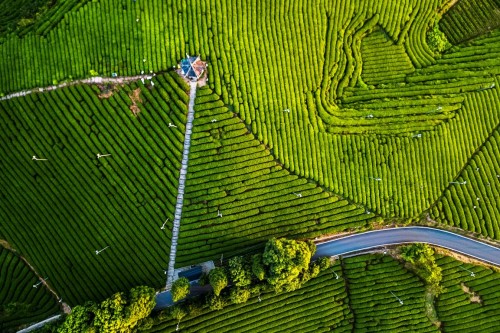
column 91, row 80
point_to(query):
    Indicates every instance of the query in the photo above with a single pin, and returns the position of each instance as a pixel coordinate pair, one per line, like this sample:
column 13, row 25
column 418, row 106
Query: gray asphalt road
column 378, row 238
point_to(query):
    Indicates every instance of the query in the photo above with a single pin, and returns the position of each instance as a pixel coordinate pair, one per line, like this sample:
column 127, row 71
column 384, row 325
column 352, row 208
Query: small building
column 192, row 67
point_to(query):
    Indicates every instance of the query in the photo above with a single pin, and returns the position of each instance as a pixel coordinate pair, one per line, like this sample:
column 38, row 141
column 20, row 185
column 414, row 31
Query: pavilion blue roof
column 192, row 67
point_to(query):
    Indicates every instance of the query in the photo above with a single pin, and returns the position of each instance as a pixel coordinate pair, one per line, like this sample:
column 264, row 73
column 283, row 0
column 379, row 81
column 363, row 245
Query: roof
column 192, row 67
column 192, row 274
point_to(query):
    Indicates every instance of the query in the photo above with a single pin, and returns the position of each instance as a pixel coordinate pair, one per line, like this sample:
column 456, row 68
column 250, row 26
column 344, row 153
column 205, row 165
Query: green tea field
column 311, row 118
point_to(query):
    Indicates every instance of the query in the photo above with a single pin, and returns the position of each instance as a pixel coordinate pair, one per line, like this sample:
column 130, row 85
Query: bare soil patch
column 135, row 97
column 474, row 298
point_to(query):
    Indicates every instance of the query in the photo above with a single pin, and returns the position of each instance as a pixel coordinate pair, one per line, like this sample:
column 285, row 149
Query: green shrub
column 180, row 289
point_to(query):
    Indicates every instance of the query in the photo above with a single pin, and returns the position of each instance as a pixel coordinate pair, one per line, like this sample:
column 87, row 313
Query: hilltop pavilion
column 192, row 67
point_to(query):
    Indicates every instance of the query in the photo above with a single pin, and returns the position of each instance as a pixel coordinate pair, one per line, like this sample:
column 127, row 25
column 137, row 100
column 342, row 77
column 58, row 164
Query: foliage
column 118, row 313
column 424, row 263
column 218, row 279
column 239, row 295
column 178, row 312
column 258, row 269
column 79, row 320
column 240, row 271
column 324, row 263
column 216, row 302
column 437, row 40
column 180, row 289
column 285, row 261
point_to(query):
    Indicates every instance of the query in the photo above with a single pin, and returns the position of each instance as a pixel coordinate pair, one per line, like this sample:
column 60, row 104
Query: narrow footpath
column 39, row 324
column 182, row 180
column 91, row 80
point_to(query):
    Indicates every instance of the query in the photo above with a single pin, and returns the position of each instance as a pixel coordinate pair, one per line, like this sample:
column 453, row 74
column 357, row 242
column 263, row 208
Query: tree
column 178, row 312
column 436, row 39
column 216, row 302
column 78, row 321
column 324, row 263
column 285, row 261
column 421, row 256
column 142, row 301
column 240, row 271
column 258, row 269
column 239, row 295
column 115, row 314
column 180, row 289
column 218, row 279
column 110, row 313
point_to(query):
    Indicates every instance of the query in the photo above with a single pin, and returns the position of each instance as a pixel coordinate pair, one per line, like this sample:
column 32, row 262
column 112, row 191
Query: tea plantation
column 20, row 302
column 362, row 300
column 317, row 117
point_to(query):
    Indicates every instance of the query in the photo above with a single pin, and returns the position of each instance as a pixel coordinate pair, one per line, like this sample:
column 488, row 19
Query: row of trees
column 119, row 313
column 285, row 265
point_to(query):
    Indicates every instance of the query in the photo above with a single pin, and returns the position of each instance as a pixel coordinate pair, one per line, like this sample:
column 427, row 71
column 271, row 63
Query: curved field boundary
column 441, row 238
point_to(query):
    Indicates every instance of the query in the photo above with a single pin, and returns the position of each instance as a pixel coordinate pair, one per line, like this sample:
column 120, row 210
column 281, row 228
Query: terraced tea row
column 20, row 303
column 472, row 201
column 468, row 302
column 62, row 209
column 234, row 175
column 469, row 18
column 376, row 286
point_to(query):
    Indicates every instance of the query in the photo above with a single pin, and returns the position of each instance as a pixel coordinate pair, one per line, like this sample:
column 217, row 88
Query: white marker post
column 299, row 195
column 471, row 272
column 99, row 251
column 102, row 155
column 286, row 110
column 376, row 179
column 219, row 214
column 39, row 283
column 163, row 226
column 399, row 300
column 38, row 159
column 171, row 125
column 459, row 183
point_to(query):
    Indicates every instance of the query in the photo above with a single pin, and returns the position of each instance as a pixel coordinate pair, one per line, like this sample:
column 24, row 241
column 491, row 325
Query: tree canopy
column 240, row 271
column 218, row 279
column 285, row 260
column 118, row 313
column 180, row 289
column 421, row 256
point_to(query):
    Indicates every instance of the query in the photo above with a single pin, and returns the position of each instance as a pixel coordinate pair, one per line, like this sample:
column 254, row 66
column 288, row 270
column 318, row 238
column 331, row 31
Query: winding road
column 378, row 238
